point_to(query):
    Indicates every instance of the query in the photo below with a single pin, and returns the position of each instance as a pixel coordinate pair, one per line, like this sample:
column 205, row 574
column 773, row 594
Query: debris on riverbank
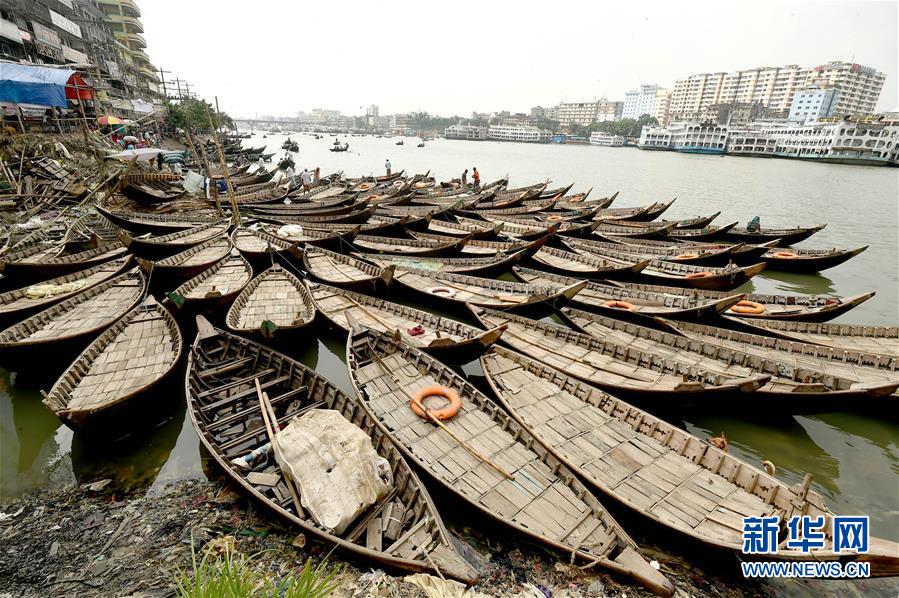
column 87, row 541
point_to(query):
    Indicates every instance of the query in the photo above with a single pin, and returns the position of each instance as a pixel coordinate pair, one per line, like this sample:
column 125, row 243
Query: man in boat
column 755, row 225
column 387, row 166
column 465, row 179
column 261, row 164
column 316, row 174
column 306, row 176
column 476, row 177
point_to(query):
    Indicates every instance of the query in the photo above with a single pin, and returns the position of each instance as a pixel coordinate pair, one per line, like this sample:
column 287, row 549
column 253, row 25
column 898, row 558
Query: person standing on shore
column 387, row 166
column 465, row 179
column 159, row 161
column 476, row 177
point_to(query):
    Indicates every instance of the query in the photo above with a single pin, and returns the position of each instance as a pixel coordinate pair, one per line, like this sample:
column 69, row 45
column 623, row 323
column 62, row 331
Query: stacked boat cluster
column 580, row 315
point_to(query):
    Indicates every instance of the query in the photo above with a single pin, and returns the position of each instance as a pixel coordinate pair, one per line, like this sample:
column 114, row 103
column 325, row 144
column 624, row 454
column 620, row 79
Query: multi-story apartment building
column 123, row 20
column 607, row 110
column 774, row 87
column 813, row 103
column 577, row 113
column 518, row 133
column 640, row 101
column 661, row 106
column 460, row 131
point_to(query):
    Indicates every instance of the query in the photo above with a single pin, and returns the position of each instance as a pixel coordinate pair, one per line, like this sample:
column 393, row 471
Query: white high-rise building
column 577, row 113
column 639, row 102
column 858, row 87
column 813, row 103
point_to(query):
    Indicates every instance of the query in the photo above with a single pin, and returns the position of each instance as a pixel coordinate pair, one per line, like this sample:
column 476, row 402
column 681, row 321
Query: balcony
column 132, row 23
column 128, row 7
column 132, row 40
column 148, row 73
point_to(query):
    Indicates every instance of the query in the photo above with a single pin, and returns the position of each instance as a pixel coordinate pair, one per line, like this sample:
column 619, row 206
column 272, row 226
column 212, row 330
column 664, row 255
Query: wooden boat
column 57, row 334
column 791, row 389
column 675, row 274
column 413, row 247
column 40, row 263
column 640, row 375
column 157, row 224
column 346, row 271
column 807, row 261
column 473, row 228
column 357, row 217
column 308, row 210
column 654, row 211
column 536, row 301
column 784, row 236
column 88, row 230
column 654, row 468
column 135, row 354
column 584, row 265
column 273, row 305
column 258, row 246
column 26, row 301
column 709, row 233
column 614, row 301
column 652, row 231
column 536, row 495
column 216, row 286
column 476, row 247
column 402, row 531
column 335, row 240
column 476, row 266
column 188, row 263
column 695, row 255
column 448, row 340
column 150, row 246
column 804, row 308
column 697, row 222
column 854, row 338
column 560, row 191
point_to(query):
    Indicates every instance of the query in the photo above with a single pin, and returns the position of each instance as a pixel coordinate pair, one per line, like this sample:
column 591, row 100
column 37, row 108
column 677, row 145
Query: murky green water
column 854, row 458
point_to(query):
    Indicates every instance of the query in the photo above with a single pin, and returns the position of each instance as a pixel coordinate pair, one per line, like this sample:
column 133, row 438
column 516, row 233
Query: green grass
column 234, row 576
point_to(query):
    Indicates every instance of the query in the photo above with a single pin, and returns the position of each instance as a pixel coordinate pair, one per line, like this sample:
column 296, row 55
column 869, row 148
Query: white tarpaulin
column 338, row 473
column 142, row 155
column 192, row 182
column 142, row 106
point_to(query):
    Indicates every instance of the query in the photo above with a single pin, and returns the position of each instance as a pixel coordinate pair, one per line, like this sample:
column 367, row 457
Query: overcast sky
column 455, row 57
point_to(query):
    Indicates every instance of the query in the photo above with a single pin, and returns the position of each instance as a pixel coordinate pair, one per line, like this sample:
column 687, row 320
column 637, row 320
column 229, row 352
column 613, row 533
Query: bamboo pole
column 270, row 422
column 235, row 212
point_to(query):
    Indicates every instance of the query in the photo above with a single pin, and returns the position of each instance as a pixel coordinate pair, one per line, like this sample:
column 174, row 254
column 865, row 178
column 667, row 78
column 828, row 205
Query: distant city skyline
column 410, row 58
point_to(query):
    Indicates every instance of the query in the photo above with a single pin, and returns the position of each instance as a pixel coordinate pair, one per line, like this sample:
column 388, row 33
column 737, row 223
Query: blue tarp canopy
column 26, row 84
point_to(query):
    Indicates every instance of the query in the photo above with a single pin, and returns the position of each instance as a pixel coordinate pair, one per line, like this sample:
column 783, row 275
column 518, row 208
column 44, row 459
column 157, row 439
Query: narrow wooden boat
column 474, row 228
column 791, row 389
column 536, row 301
column 476, row 266
column 697, row 222
column 334, row 240
column 57, row 334
column 88, row 230
column 855, row 338
column 152, row 246
column 188, row 263
column 135, row 354
column 785, row 236
column 404, row 530
column 274, row 305
column 584, row 265
column 803, row 308
column 653, row 231
column 537, row 496
column 560, row 191
column 654, row 468
column 28, row 300
column 357, row 217
column 641, row 375
column 709, row 233
column 416, row 247
column 346, row 271
column 474, row 247
column 157, row 224
column 40, row 262
column 303, row 210
column 524, row 230
column 695, row 255
column 807, row 261
column 448, row 340
column 654, row 211
column 214, row 287
column 258, row 246
column 634, row 306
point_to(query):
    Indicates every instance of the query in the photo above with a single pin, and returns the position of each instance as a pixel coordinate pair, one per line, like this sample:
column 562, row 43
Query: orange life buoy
column 372, row 196
column 364, row 186
column 444, row 413
column 748, row 307
column 694, row 275
column 789, row 255
column 686, row 256
column 555, row 218
column 620, row 305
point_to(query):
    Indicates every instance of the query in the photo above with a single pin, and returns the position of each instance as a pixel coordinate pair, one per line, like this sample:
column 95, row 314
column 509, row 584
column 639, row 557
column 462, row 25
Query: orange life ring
column 694, row 275
column 555, row 218
column 748, row 307
column 686, row 256
column 372, row 196
column 443, row 414
column 785, row 255
column 620, row 305
column 364, row 185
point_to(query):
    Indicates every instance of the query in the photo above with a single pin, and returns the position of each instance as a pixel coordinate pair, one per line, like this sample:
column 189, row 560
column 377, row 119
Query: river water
column 854, row 458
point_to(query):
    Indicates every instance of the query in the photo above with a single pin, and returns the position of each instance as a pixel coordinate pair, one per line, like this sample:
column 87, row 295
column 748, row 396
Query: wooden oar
column 268, row 417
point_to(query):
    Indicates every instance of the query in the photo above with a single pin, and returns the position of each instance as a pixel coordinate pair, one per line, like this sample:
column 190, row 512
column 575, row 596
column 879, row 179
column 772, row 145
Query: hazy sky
column 453, row 57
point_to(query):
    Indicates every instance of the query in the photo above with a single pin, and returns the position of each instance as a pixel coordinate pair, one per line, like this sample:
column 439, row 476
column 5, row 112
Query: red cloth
column 417, row 331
